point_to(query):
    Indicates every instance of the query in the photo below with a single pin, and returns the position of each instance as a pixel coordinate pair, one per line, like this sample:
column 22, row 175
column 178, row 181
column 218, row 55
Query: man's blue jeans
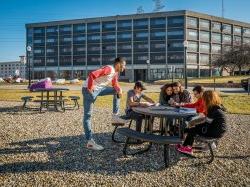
column 88, row 102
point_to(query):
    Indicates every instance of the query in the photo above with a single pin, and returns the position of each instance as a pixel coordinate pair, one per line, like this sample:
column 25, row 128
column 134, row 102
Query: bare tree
column 237, row 57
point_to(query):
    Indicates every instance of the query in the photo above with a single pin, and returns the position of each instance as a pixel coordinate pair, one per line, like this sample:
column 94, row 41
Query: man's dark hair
column 119, row 60
column 198, row 88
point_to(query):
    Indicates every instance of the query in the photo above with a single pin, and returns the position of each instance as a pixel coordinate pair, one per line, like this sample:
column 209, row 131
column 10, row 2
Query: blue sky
column 14, row 14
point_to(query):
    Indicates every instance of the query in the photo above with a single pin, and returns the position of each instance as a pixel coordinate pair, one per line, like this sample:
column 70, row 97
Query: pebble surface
column 48, row 149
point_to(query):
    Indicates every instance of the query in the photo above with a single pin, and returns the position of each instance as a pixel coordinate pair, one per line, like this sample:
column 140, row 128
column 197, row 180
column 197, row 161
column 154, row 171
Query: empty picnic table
column 55, row 99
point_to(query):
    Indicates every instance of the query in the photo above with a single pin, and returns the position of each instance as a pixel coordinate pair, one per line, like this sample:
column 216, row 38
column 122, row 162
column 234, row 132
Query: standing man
column 97, row 85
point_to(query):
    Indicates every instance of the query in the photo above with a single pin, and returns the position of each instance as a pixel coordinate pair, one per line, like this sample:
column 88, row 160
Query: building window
column 216, row 26
column 246, row 31
column 204, row 36
column 67, row 39
column 94, row 26
column 246, row 40
column 192, row 58
column 158, row 46
column 66, row 49
column 141, row 22
column 38, row 31
column 158, row 34
column 79, row 38
column 227, row 28
column 94, row 48
column 192, row 34
column 124, row 35
column 51, row 40
column 175, row 57
column 38, row 51
column 108, row 37
column 38, row 41
column 175, row 21
column 157, row 21
column 216, row 37
column 50, row 60
column 80, row 49
column 227, row 39
column 51, row 29
column 205, row 47
column 142, row 58
column 175, row 33
column 124, row 46
column 237, row 30
column 216, row 48
column 142, row 46
column 94, row 37
column 175, row 44
column 109, row 47
column 65, row 28
column 204, row 24
column 141, row 34
column 192, row 46
column 108, row 25
column 124, row 23
column 49, row 50
column 79, row 27
column 204, row 59
column 192, row 22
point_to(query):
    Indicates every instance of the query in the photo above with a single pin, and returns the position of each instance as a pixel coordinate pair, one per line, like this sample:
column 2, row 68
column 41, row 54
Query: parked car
column 244, row 83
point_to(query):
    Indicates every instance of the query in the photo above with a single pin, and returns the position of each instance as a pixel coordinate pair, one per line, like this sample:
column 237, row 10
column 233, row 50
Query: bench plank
column 158, row 139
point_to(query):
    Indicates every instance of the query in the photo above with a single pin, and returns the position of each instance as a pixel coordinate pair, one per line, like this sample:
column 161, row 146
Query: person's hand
column 90, row 90
column 119, row 94
column 202, row 115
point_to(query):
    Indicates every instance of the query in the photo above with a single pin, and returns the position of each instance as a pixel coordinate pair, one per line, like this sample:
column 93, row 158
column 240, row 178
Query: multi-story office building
column 12, row 68
column 152, row 44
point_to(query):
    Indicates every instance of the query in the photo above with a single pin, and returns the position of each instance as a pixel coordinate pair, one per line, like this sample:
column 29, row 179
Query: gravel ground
column 48, row 150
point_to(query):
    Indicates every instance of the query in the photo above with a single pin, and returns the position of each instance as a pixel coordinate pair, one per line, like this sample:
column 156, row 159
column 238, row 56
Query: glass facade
column 158, row 39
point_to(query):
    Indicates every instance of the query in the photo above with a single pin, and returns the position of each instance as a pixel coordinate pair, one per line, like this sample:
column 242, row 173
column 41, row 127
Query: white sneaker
column 213, row 146
column 94, row 146
column 117, row 119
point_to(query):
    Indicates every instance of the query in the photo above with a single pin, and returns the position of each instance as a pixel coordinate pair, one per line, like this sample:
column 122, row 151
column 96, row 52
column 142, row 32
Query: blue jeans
column 88, row 102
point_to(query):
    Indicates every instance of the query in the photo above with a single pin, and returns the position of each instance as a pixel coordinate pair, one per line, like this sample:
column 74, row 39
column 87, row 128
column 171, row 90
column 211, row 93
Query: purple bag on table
column 44, row 83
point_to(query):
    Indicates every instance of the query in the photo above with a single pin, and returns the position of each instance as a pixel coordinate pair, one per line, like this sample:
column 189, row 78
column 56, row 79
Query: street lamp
column 185, row 44
column 148, row 66
column 28, row 60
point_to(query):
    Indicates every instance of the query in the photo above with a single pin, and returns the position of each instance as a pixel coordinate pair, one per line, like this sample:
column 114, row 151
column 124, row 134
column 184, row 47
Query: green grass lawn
column 235, row 79
column 235, row 103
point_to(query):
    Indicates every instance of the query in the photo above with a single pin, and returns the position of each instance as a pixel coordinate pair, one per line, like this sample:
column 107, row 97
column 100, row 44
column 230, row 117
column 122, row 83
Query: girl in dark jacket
column 166, row 94
column 214, row 124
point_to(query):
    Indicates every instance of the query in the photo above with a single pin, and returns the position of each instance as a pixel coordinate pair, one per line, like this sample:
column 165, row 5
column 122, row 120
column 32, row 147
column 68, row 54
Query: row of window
column 110, row 25
column 217, row 26
column 214, row 37
column 111, row 37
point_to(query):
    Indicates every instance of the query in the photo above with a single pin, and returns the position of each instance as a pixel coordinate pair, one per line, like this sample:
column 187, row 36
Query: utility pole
column 159, row 5
column 222, row 8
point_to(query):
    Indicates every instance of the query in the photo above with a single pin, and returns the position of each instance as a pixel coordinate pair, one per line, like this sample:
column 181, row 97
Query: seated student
column 199, row 104
column 213, row 126
column 180, row 95
column 166, row 94
column 134, row 100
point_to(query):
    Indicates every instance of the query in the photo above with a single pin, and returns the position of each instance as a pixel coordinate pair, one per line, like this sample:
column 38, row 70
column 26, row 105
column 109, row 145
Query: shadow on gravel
column 69, row 154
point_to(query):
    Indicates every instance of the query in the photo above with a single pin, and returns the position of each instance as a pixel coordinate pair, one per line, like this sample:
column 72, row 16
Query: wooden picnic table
column 51, row 97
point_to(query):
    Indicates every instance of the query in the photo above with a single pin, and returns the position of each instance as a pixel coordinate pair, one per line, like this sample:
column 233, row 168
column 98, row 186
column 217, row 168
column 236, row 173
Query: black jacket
column 216, row 120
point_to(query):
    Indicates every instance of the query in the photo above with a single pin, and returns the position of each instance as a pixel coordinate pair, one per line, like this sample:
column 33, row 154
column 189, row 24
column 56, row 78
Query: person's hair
column 198, row 88
column 119, row 60
column 211, row 98
column 176, row 84
column 164, row 87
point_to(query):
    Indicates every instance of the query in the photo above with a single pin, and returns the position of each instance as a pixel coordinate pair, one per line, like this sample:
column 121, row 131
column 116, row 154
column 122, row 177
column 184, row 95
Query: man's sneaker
column 213, row 146
column 185, row 149
column 117, row 119
column 94, row 146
